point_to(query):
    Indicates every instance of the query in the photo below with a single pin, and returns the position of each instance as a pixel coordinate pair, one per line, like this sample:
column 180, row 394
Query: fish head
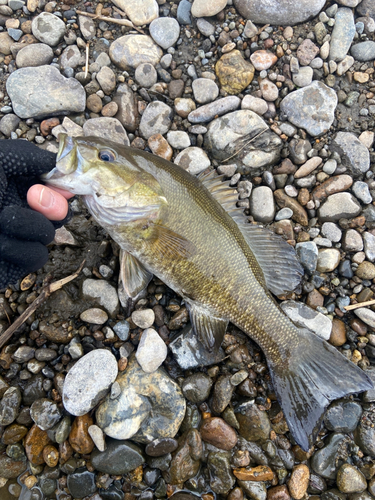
column 104, row 173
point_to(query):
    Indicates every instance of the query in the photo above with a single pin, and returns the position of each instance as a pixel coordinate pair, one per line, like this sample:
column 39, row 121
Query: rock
column 205, row 90
column 161, row 446
column 5, row 44
column 369, row 244
column 139, row 11
column 127, row 107
column 183, row 12
column 186, row 459
column 35, row 442
column 156, row 119
column 343, row 416
column 307, row 253
column 207, row 8
column 65, row 95
column 260, row 473
column 79, row 437
column 144, row 318
column 366, row 270
column 23, row 354
column 106, row 128
column 178, row 139
column 304, row 76
column 299, row 481
column 366, row 315
column 262, row 205
column 306, row 317
column 254, row 423
column 263, row 60
column 193, row 159
column 308, row 167
column 48, row 28
column 151, row 351
column 36, row 54
column 207, row 112
column 362, row 192
column 103, row 293
column 87, row 27
column 233, row 72
column 88, row 381
column 354, row 155
column 269, row 90
column 220, row 472
column 45, row 413
column 165, row 31
column 306, row 52
column 150, row 406
column 196, row 388
column 81, row 483
column 339, row 206
column 70, row 58
column 255, row 104
column 160, row 147
column 10, row 468
column 217, row 432
column 10, row 405
column 321, row 102
column 8, row 124
column 338, row 334
column 94, row 315
column 299, row 213
column 231, row 134
column 326, row 461
column 332, row 185
column 118, row 458
column 146, row 75
column 328, row 260
column 278, row 12
column 352, row 241
column 350, row 479
column 364, row 51
column 342, row 34
column 106, row 79
column 130, row 51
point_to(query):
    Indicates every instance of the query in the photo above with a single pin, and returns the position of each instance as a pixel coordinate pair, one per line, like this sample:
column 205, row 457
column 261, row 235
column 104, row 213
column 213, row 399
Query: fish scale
column 190, row 234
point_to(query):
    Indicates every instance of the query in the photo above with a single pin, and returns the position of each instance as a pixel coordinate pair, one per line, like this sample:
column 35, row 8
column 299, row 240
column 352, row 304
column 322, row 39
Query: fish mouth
column 66, row 159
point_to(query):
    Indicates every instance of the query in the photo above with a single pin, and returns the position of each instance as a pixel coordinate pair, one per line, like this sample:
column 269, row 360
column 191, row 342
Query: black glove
column 23, row 232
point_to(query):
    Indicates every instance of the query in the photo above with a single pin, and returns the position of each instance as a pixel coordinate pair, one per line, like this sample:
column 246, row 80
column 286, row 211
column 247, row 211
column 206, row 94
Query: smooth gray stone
column 118, row 458
column 364, row 51
column 342, row 34
column 278, row 12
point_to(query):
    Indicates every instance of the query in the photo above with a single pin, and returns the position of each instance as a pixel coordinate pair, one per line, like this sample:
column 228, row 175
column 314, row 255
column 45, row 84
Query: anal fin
column 210, row 330
column 134, row 275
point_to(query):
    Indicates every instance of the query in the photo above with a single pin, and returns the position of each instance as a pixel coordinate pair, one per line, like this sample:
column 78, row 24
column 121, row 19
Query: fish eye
column 106, row 155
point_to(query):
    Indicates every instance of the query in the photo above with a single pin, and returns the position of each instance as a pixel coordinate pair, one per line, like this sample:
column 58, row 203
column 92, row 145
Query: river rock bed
column 277, row 96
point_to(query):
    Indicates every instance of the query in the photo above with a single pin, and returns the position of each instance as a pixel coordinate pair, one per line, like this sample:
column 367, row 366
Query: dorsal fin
column 277, row 259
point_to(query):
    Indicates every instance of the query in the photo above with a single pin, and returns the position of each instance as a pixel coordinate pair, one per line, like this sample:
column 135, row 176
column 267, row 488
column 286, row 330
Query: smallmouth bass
column 189, row 233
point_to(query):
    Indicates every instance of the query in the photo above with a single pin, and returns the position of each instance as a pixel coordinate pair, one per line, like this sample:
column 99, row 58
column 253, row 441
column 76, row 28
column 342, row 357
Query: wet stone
column 35, row 442
column 186, row 459
column 118, row 458
column 196, row 388
column 14, row 433
column 326, row 461
column 79, row 437
column 45, row 413
column 161, row 446
column 217, row 432
column 254, row 489
column 9, row 405
column 88, row 381
column 320, row 98
column 307, row 253
column 10, row 468
column 221, row 477
column 343, row 416
column 254, row 423
column 350, row 479
column 81, row 483
column 299, row 481
column 259, row 473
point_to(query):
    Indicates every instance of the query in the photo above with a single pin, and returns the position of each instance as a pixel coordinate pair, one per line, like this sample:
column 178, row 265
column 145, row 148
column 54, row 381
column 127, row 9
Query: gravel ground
column 106, row 398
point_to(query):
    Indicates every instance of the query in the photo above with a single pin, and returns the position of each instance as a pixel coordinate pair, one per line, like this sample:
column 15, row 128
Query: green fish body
column 189, row 233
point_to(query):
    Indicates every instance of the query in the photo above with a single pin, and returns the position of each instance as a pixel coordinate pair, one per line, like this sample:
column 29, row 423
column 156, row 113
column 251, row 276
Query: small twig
column 262, row 29
column 360, row 304
column 121, row 22
column 87, row 60
column 44, row 294
column 246, row 144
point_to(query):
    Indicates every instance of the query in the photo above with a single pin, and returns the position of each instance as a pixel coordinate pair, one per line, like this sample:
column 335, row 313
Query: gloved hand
column 24, row 233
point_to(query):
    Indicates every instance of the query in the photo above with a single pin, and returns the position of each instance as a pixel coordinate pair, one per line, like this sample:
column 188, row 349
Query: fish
column 189, row 233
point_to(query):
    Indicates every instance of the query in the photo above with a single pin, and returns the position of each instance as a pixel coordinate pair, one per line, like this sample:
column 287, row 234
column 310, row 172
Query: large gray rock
column 48, row 28
column 165, row 31
column 342, row 34
column 339, row 206
column 245, row 136
column 88, row 381
column 107, row 128
column 354, row 155
column 130, row 51
column 36, row 54
column 43, row 91
column 149, row 406
column 311, row 108
column 139, row 11
column 278, row 12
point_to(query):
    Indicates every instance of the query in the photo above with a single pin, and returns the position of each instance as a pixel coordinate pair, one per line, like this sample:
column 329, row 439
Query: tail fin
column 317, row 373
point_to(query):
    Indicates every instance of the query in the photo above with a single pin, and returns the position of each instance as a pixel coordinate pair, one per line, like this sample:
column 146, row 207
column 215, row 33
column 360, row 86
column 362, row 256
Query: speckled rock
column 156, row 119
column 354, row 155
column 130, row 51
column 150, row 406
column 350, row 479
column 88, row 381
column 278, row 12
column 311, row 108
column 193, row 159
column 9, row 405
column 299, row 481
column 45, row 413
column 48, row 28
column 233, row 72
column 220, row 471
column 339, row 206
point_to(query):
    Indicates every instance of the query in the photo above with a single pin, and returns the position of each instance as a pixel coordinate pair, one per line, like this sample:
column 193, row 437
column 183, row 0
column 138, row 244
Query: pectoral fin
column 169, row 244
column 134, row 275
column 210, row 330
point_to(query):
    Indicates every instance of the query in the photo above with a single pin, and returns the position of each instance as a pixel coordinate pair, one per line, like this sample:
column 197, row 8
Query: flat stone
column 263, row 59
column 87, row 27
column 307, row 253
column 48, row 28
column 311, row 108
column 127, row 107
column 156, row 119
column 209, row 111
column 352, row 241
column 328, row 260
column 178, row 139
column 146, row 75
column 106, row 128
column 233, row 72
column 81, row 483
column 278, row 12
column 230, row 135
column 103, row 293
column 119, row 457
column 342, row 34
column 205, row 27
column 217, row 432
column 262, row 205
column 165, row 31
column 10, row 405
column 150, row 406
column 5, row 44
column 339, row 206
column 207, row 8
column 364, row 51
column 139, row 11
column 130, row 51
column 88, row 381
column 65, row 95
column 10, row 468
column 205, row 90
column 354, row 155
column 193, row 159
column 36, row 54
column 151, row 351
column 161, row 446
column 305, row 317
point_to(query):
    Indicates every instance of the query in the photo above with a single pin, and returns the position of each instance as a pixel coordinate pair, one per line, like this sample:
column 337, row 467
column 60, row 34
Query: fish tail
column 315, row 374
